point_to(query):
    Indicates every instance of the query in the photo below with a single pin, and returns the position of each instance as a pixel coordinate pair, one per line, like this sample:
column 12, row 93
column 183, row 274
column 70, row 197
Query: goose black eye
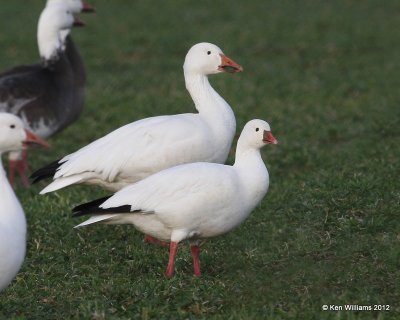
column 12, row 126
column 257, row 129
column 208, row 52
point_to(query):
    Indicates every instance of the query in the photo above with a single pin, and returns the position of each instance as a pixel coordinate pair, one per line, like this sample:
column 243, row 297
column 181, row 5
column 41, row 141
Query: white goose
column 144, row 147
column 13, row 137
column 191, row 201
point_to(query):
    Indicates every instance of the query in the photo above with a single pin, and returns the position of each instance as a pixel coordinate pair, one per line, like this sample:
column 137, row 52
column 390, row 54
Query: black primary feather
column 46, row 171
column 92, row 207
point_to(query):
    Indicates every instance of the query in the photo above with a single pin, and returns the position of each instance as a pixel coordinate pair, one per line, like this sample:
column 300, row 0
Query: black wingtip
column 88, row 207
column 92, row 207
column 46, row 171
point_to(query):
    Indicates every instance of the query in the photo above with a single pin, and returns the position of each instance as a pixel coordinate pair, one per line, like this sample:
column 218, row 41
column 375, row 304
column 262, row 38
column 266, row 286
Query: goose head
column 13, row 135
column 256, row 134
column 206, row 59
column 54, row 19
column 75, row 7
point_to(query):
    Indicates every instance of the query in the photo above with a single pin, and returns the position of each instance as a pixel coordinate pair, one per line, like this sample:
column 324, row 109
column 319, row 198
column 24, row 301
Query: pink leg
column 12, row 164
column 22, row 167
column 173, row 248
column 196, row 261
column 152, row 240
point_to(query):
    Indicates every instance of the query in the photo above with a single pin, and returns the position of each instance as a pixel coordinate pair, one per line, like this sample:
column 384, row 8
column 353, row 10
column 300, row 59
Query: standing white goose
column 144, row 147
column 47, row 96
column 191, row 201
column 13, row 137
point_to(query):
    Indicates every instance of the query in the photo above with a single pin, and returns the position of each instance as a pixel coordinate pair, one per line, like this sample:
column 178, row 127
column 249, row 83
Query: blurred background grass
column 326, row 77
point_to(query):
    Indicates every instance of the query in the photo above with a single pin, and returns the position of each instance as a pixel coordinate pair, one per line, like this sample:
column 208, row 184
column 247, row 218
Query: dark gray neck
column 76, row 62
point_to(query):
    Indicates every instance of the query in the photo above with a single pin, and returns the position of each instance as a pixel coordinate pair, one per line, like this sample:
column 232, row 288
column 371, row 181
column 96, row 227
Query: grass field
column 325, row 75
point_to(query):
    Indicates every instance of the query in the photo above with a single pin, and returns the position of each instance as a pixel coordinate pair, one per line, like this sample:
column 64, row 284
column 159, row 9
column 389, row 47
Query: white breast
column 12, row 233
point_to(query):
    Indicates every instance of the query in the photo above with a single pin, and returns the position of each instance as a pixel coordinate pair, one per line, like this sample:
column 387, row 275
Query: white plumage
column 192, row 201
column 13, row 137
column 144, row 147
column 52, row 21
column 74, row 6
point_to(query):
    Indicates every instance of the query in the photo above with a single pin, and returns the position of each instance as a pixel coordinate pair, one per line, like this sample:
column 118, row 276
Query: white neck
column 11, row 213
column 49, row 41
column 3, row 176
column 252, row 172
column 212, row 108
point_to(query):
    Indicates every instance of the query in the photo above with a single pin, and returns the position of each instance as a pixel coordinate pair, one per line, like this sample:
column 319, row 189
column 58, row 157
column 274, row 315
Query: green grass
column 326, row 77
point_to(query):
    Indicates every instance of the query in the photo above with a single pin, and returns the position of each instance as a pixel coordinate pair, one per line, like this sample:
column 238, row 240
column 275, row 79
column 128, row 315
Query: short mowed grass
column 325, row 75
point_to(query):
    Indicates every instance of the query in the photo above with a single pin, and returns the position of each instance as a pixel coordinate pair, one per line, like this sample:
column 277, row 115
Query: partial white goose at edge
column 13, row 137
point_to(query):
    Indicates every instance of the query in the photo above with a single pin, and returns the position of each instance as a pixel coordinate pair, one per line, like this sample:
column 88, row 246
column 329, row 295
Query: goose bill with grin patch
column 228, row 65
